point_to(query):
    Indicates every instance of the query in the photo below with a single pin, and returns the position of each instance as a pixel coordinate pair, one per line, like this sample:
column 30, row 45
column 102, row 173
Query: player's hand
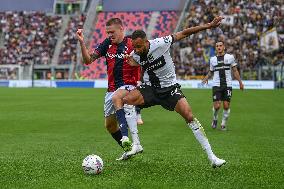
column 204, row 81
column 139, row 83
column 79, row 35
column 241, row 86
column 216, row 22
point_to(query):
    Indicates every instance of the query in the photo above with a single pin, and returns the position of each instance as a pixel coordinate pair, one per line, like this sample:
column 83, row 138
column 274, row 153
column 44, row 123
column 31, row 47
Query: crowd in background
column 28, row 36
column 68, row 52
column 240, row 33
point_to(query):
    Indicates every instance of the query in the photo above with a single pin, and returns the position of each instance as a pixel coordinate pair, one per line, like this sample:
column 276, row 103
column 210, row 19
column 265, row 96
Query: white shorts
column 109, row 108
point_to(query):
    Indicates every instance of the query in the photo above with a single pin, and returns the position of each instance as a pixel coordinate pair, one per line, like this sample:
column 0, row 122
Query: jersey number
column 229, row 92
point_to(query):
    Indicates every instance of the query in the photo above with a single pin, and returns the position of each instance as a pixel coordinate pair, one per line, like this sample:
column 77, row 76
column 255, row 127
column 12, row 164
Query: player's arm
column 130, row 59
column 87, row 58
column 132, row 62
column 237, row 77
column 192, row 30
column 205, row 79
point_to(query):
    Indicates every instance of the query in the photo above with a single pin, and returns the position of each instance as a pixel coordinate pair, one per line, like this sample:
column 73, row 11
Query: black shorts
column 222, row 94
column 166, row 97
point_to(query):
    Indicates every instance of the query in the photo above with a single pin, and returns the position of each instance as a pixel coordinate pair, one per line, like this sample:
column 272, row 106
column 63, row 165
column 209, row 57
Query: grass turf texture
column 46, row 133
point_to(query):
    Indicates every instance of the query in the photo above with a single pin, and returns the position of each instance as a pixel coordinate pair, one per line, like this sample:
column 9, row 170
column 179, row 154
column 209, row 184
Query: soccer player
column 121, row 77
column 160, row 86
column 220, row 67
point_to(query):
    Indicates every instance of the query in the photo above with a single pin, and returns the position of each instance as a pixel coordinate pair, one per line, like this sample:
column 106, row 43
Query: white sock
column 215, row 113
column 226, row 114
column 131, row 118
column 200, row 135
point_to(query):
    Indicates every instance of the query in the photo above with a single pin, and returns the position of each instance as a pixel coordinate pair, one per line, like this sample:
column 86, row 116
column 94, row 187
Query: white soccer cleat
column 136, row 149
column 217, row 162
column 124, row 156
column 126, row 143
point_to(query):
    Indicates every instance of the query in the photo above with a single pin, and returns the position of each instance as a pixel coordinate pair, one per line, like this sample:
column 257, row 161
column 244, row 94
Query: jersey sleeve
column 164, row 42
column 211, row 68
column 102, row 48
column 233, row 61
column 135, row 57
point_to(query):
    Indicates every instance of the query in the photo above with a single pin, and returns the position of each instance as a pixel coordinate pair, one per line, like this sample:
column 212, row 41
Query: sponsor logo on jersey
column 111, row 56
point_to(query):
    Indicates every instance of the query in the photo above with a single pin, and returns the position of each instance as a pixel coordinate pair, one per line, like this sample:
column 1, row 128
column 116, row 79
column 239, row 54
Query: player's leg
column 182, row 107
column 110, row 119
column 139, row 116
column 226, row 97
column 216, row 106
column 226, row 113
column 120, row 114
column 113, row 129
column 134, row 97
column 142, row 96
column 127, row 113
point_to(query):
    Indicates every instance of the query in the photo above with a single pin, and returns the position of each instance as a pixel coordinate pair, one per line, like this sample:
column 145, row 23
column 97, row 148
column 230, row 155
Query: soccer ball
column 93, row 164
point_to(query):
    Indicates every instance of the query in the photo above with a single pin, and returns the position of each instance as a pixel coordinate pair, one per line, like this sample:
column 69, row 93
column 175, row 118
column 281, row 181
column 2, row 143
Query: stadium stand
column 28, row 35
column 243, row 26
column 68, row 52
column 166, row 24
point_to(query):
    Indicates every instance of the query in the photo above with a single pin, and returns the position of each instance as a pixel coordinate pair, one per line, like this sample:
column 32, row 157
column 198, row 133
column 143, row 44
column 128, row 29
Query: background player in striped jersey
column 121, row 77
column 220, row 68
column 160, row 86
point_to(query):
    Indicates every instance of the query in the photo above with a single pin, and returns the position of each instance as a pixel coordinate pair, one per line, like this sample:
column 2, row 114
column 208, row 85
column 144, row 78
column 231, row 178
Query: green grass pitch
column 46, row 133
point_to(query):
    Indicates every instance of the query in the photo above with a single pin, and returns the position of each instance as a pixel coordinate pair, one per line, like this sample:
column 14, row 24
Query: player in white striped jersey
column 160, row 86
column 221, row 66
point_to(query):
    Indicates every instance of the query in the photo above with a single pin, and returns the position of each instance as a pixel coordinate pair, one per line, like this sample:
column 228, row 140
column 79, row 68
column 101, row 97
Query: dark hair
column 138, row 34
column 220, row 41
column 114, row 21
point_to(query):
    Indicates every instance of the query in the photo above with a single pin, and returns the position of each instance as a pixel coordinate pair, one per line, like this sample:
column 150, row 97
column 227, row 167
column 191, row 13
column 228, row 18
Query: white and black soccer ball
column 93, row 164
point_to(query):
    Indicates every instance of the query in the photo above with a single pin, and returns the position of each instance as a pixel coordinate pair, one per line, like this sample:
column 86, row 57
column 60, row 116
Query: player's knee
column 226, row 107
column 127, row 100
column 217, row 106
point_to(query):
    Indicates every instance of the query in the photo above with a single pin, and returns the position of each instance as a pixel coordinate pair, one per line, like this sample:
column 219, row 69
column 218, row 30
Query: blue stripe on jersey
column 118, row 66
column 103, row 47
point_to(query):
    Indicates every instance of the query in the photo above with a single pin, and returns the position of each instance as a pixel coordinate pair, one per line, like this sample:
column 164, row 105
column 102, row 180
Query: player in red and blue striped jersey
column 121, row 78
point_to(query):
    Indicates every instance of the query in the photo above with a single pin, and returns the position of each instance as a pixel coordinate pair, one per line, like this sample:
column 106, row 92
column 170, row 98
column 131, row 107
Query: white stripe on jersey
column 158, row 65
column 229, row 62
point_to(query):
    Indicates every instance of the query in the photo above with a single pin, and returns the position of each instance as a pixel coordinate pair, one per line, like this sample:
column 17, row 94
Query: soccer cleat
column 136, row 149
column 126, row 143
column 214, row 124
column 124, row 156
column 216, row 162
column 223, row 128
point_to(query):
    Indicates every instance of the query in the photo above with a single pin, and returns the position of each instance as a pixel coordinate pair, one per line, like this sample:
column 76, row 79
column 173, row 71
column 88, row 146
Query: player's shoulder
column 230, row 56
column 162, row 40
column 213, row 58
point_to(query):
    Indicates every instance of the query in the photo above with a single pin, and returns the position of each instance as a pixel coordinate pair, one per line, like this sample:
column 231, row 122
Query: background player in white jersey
column 160, row 86
column 220, row 68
